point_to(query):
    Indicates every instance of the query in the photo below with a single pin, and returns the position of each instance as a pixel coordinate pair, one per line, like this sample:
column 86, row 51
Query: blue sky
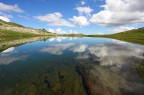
column 72, row 16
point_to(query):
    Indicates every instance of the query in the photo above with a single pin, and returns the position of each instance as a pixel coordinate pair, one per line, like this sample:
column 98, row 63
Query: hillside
column 134, row 36
column 13, row 27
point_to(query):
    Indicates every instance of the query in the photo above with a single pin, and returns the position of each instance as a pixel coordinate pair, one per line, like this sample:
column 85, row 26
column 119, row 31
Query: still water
column 73, row 66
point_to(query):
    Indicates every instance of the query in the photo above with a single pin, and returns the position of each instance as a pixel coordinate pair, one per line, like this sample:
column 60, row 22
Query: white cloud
column 9, row 8
column 54, row 19
column 120, row 12
column 84, row 10
column 80, row 20
column 50, row 17
column 60, row 31
column 83, row 2
column 72, row 32
column 5, row 18
column 122, row 29
column 51, row 30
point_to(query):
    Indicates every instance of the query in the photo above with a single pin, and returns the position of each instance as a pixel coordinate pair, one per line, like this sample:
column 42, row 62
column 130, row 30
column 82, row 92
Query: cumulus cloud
column 72, row 32
column 60, row 31
column 80, row 20
column 5, row 18
column 51, row 30
column 9, row 8
column 120, row 12
column 54, row 19
column 84, row 10
column 83, row 2
column 122, row 29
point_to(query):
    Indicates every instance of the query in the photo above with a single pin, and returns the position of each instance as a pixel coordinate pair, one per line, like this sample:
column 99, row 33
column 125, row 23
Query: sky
column 75, row 16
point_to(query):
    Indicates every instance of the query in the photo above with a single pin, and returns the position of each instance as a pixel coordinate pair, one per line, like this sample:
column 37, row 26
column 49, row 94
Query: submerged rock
column 47, row 82
column 62, row 75
column 109, row 80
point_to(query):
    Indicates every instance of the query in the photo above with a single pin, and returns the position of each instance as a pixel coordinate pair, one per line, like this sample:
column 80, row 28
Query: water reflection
column 56, row 49
column 5, row 60
column 60, row 39
column 9, row 56
column 108, row 54
column 11, row 49
column 61, row 66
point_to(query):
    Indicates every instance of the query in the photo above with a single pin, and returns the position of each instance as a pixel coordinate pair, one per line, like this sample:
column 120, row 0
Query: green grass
column 11, row 23
column 13, row 34
column 71, row 35
column 134, row 36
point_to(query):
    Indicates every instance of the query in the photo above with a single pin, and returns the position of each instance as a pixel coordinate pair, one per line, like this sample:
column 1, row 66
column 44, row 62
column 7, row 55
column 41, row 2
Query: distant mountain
column 11, row 26
column 141, row 28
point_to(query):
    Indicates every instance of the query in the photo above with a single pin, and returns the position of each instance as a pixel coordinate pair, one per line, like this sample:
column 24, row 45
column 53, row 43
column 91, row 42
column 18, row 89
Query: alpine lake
column 71, row 66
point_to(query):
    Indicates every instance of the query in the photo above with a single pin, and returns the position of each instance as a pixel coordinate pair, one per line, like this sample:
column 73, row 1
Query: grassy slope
column 9, row 33
column 10, row 23
column 13, row 34
column 134, row 36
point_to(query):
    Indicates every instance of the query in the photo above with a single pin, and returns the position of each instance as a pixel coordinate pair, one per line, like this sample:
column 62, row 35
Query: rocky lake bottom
column 72, row 66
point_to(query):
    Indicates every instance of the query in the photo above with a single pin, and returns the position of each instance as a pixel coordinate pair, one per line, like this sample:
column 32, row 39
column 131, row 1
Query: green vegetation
column 10, row 23
column 11, row 29
column 134, row 36
column 15, row 24
column 72, row 35
column 13, row 34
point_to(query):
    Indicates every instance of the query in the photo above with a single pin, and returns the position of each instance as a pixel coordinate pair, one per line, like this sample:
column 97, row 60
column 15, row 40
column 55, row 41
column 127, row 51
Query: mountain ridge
column 11, row 26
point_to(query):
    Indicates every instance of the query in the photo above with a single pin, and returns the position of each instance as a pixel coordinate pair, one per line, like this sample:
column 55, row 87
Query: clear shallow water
column 73, row 66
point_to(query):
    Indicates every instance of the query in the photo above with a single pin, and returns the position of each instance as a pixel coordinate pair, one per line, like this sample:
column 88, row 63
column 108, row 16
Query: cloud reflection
column 56, row 49
column 60, row 39
column 79, row 48
column 5, row 60
column 11, row 49
column 106, row 54
column 113, row 54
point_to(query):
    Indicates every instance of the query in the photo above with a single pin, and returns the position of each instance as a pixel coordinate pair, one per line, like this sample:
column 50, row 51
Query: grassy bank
column 134, row 36
column 12, row 42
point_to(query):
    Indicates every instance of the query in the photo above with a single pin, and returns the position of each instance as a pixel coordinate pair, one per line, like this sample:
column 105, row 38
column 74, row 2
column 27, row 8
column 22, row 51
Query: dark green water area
column 73, row 66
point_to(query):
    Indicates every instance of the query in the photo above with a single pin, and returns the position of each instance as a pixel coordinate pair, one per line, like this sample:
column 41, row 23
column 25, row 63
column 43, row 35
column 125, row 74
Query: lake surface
column 73, row 66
